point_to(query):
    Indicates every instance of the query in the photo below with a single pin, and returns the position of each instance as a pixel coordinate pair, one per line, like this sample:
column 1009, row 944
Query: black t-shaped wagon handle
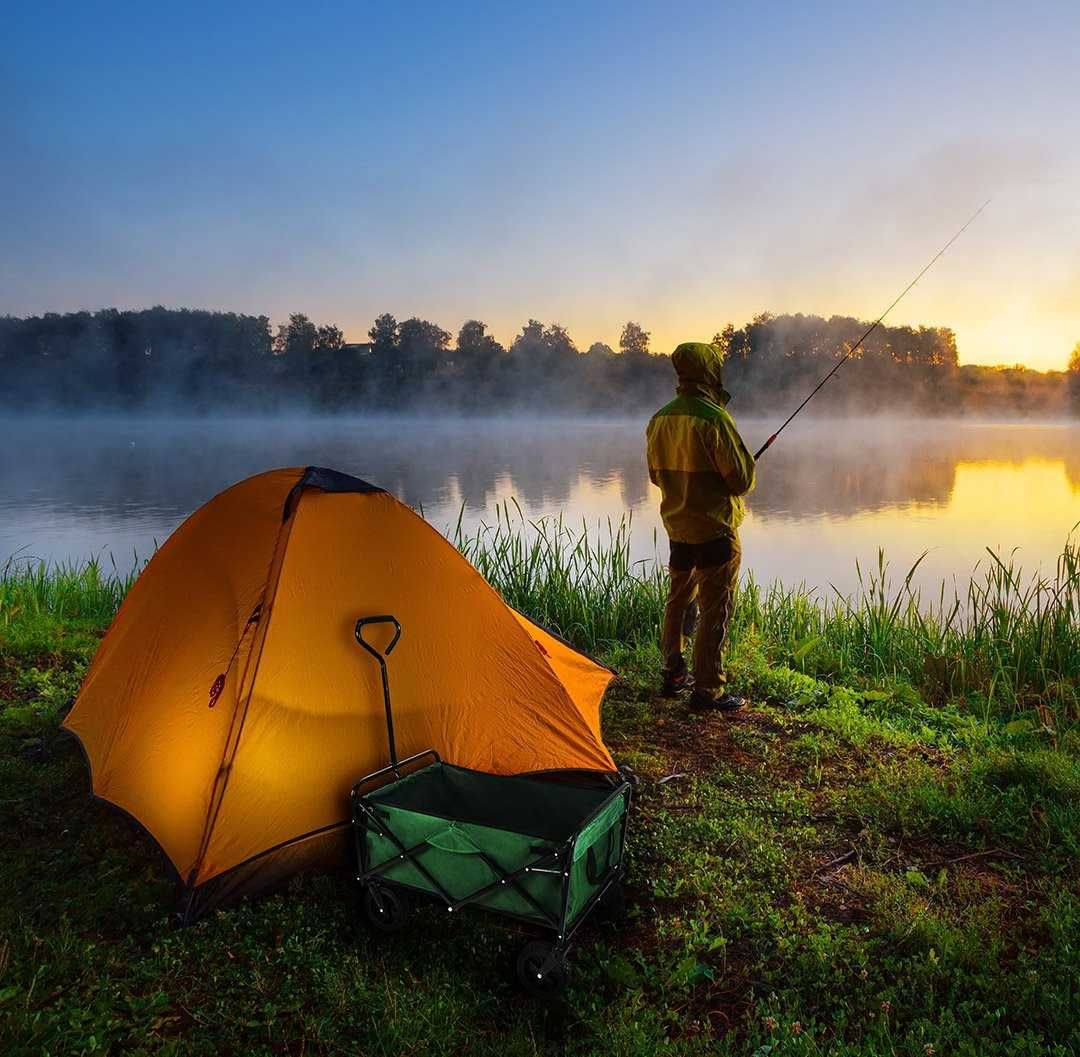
column 364, row 621
column 381, row 658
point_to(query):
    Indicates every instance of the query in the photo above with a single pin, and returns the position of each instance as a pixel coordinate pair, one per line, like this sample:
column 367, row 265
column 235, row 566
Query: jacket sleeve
column 649, row 457
column 733, row 459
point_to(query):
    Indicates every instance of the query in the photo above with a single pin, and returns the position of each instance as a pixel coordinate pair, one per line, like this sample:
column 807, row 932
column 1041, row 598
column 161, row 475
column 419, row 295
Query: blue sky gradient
column 676, row 164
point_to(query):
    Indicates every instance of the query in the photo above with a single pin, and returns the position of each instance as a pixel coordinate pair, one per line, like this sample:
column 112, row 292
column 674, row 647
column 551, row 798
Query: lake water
column 829, row 492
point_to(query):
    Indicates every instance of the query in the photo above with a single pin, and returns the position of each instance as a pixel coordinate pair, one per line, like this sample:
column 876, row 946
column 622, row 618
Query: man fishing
column 703, row 469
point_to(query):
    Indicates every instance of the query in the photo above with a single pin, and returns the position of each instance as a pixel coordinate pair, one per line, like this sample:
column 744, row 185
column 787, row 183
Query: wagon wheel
column 541, row 970
column 384, row 909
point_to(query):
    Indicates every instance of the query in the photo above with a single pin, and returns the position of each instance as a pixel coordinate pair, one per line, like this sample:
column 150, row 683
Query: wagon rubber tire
column 532, row 957
column 384, row 909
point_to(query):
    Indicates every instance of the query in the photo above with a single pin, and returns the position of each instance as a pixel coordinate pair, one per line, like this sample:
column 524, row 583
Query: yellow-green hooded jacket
column 696, row 456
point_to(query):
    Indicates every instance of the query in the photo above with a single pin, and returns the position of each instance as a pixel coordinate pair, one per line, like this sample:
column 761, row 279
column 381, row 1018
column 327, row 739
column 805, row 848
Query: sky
column 677, row 164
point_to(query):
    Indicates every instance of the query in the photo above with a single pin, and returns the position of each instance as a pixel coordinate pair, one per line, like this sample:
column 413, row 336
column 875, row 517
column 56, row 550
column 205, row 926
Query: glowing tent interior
column 229, row 710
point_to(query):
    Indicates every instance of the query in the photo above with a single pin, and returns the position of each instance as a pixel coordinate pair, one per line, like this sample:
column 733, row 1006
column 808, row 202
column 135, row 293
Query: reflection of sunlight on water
column 1036, row 492
column 1025, row 503
column 1030, row 505
column 588, row 501
column 833, row 493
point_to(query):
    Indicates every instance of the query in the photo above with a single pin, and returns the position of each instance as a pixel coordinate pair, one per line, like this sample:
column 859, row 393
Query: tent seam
column 281, row 846
column 227, row 759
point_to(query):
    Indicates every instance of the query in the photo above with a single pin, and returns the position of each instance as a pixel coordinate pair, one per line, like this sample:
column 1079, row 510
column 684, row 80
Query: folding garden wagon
column 539, row 849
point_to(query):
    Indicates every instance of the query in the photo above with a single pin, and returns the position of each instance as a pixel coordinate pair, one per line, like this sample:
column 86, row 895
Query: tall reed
column 38, row 600
column 1009, row 640
column 585, row 587
column 1012, row 638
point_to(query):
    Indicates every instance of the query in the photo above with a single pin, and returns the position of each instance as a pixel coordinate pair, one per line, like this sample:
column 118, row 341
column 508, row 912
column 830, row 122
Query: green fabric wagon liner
column 458, row 816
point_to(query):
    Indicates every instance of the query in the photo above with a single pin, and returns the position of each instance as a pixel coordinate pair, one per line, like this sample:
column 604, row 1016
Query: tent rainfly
column 229, row 710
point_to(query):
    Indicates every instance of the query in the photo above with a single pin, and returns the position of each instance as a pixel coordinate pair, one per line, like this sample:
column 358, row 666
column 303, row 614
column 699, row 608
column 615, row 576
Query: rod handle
column 765, row 447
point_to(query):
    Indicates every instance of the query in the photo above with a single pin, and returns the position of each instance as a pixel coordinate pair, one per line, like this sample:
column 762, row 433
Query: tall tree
column 559, row 345
column 724, row 339
column 481, row 365
column 387, row 370
column 423, row 350
column 295, row 344
column 327, row 370
column 329, row 338
column 477, row 353
column 528, row 346
column 384, row 333
column 634, row 341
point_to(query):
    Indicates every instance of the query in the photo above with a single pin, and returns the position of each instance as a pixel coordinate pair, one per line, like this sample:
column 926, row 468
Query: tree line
column 159, row 359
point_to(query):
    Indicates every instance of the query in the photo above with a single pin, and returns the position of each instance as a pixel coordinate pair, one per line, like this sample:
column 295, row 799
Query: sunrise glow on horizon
column 1044, row 345
column 587, row 166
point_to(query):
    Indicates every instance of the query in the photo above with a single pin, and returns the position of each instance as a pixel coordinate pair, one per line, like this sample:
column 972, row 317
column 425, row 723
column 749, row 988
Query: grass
column 879, row 857
column 65, row 606
column 1009, row 645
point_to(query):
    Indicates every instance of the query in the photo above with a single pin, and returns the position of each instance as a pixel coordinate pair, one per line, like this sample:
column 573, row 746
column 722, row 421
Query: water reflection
column 828, row 492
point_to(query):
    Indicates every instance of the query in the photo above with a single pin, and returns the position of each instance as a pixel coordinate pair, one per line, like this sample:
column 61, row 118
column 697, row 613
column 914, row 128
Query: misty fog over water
column 828, row 492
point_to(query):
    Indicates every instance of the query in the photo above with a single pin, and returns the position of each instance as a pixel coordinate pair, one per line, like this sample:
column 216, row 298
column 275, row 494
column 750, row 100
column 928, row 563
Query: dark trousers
column 705, row 574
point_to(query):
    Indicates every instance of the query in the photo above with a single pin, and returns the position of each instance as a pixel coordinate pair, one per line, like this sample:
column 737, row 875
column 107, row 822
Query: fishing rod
column 870, row 330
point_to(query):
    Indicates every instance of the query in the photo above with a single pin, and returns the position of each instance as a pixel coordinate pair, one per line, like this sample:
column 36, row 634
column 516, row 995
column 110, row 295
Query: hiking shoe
column 676, row 683
column 726, row 703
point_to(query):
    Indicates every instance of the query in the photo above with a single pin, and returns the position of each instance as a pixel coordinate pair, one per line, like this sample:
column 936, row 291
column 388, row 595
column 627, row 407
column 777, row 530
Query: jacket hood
column 698, row 366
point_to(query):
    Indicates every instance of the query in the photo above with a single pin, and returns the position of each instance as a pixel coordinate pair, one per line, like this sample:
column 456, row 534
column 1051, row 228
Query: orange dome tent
column 229, row 710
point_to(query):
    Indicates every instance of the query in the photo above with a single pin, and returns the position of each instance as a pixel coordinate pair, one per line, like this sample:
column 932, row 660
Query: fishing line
column 873, row 326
